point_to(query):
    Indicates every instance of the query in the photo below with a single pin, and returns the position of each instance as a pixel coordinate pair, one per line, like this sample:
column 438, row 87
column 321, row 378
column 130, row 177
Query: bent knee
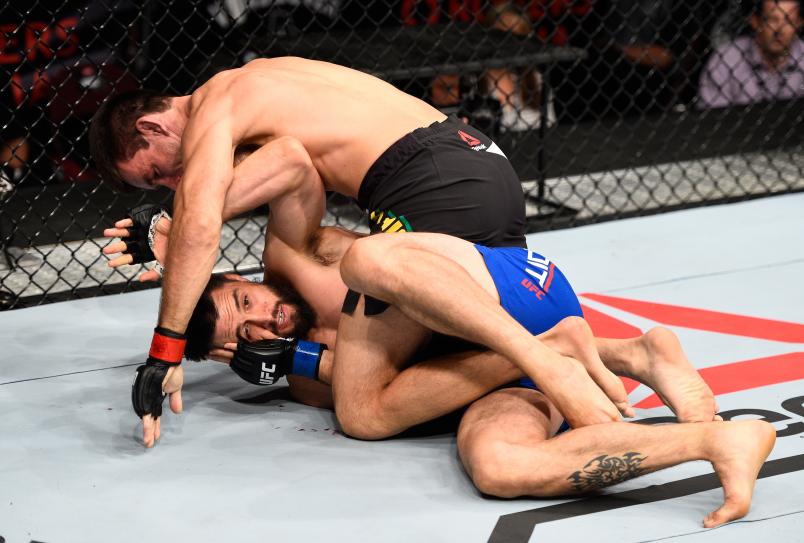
column 362, row 261
column 368, row 260
column 363, row 426
column 491, row 471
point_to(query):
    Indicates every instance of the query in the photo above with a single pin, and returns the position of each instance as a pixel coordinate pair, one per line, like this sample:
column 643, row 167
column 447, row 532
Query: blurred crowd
column 61, row 59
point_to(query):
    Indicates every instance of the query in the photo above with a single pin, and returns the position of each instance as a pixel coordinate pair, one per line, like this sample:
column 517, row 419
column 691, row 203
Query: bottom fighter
column 508, row 439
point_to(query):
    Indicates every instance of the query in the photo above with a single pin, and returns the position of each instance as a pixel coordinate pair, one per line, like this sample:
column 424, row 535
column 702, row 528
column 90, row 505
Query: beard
column 304, row 315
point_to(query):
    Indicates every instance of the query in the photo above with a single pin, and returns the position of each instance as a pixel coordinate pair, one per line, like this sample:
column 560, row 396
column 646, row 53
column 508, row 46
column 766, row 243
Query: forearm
column 275, row 171
column 191, row 256
column 430, row 388
column 310, row 392
column 325, row 368
column 438, row 386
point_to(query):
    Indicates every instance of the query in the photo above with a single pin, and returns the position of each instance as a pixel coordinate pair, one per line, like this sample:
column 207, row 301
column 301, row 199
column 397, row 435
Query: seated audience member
column 519, row 94
column 512, row 97
column 766, row 66
column 14, row 153
column 643, row 57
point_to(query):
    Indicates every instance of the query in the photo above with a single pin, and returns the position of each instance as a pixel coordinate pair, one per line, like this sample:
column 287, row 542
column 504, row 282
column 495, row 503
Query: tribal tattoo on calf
column 607, row 470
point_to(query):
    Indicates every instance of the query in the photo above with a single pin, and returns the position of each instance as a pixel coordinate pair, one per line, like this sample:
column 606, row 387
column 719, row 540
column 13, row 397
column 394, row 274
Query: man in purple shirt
column 764, row 67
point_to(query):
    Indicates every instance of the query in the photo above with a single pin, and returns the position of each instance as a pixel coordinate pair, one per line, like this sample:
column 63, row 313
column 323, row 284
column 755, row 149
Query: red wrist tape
column 166, row 348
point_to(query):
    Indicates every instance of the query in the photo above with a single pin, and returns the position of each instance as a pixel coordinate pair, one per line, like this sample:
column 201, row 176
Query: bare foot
column 675, row 380
column 740, row 449
column 572, row 337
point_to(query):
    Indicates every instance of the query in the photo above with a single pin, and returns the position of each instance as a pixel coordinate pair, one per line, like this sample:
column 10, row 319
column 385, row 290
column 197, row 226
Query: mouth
column 281, row 320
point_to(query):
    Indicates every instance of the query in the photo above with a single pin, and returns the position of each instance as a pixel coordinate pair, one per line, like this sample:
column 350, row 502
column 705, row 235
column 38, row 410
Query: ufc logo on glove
column 267, row 374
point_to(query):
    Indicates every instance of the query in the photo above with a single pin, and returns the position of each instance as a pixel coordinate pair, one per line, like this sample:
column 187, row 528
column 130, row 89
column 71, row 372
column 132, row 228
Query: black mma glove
column 146, row 391
column 167, row 349
column 264, row 362
column 140, row 240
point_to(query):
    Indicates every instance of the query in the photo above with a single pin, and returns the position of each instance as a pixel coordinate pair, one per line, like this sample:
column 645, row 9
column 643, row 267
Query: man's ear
column 754, row 21
column 152, row 123
column 234, row 277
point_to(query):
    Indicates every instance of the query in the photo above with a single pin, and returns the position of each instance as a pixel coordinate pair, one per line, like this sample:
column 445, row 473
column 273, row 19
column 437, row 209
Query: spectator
column 512, row 98
column 638, row 55
column 632, row 66
column 15, row 146
column 14, row 156
column 519, row 94
column 766, row 66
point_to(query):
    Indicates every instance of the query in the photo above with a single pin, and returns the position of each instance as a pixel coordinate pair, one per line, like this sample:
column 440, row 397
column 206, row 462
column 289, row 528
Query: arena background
column 608, row 125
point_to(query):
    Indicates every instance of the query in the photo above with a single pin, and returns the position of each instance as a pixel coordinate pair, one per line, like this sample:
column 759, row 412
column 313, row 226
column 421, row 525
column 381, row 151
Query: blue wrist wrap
column 306, row 359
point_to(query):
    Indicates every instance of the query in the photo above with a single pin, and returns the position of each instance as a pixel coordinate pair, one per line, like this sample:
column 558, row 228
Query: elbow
column 365, row 430
column 296, row 158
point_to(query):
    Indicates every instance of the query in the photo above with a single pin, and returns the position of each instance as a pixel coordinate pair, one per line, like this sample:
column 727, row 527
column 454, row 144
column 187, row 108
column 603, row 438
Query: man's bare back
column 344, row 118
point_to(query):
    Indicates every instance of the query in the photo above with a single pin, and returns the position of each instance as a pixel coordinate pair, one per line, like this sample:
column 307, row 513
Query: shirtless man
column 505, row 437
column 411, row 167
column 406, row 163
column 511, row 441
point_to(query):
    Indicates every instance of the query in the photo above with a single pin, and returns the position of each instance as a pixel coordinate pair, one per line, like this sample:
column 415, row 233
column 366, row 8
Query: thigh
column 370, row 351
column 511, row 418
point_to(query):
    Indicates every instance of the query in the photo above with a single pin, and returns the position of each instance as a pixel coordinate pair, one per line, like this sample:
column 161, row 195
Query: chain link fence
column 606, row 108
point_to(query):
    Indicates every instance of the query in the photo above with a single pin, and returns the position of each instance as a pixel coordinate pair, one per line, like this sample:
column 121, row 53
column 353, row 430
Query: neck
column 180, row 111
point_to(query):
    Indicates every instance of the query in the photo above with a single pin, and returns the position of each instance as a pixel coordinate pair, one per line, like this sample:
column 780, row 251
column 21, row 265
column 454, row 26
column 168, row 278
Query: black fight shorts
column 448, row 178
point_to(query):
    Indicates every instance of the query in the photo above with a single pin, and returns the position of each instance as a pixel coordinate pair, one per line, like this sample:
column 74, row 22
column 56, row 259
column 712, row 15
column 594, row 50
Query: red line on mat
column 745, row 375
column 711, row 321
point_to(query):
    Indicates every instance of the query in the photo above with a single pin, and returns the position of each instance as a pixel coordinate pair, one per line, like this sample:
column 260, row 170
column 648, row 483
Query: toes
column 626, row 410
column 729, row 511
column 715, row 519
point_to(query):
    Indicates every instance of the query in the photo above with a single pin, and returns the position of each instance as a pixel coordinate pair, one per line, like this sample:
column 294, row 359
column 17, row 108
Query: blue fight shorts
column 532, row 290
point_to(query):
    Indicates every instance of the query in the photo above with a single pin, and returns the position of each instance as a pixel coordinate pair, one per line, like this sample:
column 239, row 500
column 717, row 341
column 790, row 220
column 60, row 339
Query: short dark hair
column 201, row 327
column 758, row 6
column 113, row 135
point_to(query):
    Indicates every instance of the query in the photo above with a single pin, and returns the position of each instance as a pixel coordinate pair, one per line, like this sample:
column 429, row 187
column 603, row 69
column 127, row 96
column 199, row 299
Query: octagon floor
column 246, row 464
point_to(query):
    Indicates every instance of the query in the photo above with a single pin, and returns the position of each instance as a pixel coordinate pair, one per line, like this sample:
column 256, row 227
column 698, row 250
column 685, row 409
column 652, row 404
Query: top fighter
column 409, row 165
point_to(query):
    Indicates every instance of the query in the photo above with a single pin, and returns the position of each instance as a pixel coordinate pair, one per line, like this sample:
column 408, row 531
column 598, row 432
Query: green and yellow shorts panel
column 388, row 221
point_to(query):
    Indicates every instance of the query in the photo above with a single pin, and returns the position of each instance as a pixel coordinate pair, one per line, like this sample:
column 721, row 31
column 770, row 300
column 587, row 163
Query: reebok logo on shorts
column 477, row 145
column 471, row 141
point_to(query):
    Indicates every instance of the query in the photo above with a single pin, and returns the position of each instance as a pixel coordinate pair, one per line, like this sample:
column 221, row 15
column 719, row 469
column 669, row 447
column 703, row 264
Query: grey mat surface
column 246, row 464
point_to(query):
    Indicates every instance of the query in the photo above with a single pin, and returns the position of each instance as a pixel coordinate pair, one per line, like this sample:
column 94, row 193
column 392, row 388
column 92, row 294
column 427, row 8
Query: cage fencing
column 606, row 108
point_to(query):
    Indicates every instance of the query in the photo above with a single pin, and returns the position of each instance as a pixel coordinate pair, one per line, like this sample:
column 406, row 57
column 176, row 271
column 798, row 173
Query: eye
column 245, row 301
column 245, row 332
